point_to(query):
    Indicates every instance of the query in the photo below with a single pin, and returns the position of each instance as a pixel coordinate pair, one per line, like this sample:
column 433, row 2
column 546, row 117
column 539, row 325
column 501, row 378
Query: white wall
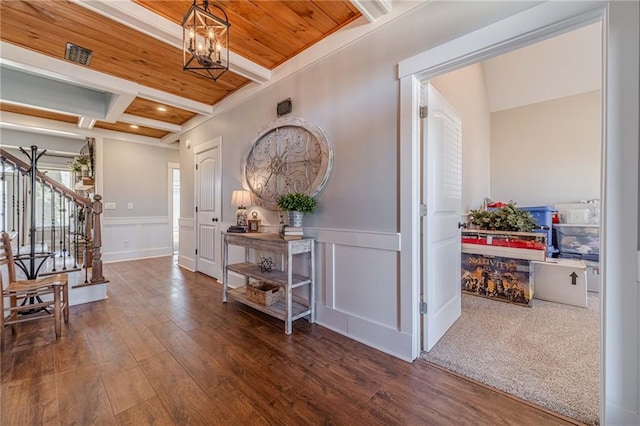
column 136, row 173
column 565, row 65
column 547, row 153
column 465, row 90
column 621, row 299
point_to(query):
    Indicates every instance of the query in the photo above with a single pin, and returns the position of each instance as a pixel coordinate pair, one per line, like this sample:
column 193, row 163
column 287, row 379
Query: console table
column 293, row 307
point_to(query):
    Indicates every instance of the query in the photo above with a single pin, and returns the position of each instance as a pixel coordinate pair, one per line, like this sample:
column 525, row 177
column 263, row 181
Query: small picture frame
column 254, row 225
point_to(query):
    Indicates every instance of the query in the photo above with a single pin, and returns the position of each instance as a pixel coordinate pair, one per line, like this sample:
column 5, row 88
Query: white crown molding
column 142, row 19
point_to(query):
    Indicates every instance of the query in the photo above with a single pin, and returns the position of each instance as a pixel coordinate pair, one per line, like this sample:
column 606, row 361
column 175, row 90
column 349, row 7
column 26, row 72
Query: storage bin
column 578, row 239
column 579, row 213
column 593, row 276
column 585, row 257
column 544, row 218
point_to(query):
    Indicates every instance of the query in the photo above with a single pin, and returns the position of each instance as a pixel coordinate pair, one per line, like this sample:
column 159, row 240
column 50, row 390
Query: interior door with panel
column 207, row 198
column 442, row 195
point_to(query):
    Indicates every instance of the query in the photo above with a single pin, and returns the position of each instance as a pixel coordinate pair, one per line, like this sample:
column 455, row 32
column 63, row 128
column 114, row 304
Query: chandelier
column 205, row 41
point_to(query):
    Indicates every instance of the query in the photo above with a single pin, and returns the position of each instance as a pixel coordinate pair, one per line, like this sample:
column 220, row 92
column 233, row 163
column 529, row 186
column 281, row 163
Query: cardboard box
column 561, row 281
column 499, row 278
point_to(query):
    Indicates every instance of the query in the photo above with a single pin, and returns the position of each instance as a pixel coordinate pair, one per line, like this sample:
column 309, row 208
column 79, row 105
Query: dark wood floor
column 164, row 349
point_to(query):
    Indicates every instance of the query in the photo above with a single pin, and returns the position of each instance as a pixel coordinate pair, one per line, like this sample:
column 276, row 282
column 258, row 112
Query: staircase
column 57, row 230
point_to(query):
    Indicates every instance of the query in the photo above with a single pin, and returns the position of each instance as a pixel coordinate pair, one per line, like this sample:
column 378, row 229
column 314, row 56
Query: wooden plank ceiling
column 265, row 32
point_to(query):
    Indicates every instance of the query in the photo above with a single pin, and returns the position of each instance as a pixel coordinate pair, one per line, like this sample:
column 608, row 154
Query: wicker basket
column 264, row 293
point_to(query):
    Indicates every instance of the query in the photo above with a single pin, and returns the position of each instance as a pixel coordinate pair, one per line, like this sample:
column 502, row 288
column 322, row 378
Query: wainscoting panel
column 358, row 287
column 365, row 283
column 127, row 238
column 187, row 256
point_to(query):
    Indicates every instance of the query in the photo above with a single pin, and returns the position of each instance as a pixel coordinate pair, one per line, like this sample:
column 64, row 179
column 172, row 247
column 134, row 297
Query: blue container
column 543, row 216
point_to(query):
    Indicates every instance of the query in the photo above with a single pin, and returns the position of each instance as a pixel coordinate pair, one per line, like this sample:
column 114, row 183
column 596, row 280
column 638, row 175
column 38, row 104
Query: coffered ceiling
column 134, row 82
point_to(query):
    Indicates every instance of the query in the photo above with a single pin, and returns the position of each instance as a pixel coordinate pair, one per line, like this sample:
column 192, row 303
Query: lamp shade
column 241, row 198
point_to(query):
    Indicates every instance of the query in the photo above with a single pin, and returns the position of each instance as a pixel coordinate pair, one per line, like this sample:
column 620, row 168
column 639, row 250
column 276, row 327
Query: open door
column 442, row 196
column 207, row 180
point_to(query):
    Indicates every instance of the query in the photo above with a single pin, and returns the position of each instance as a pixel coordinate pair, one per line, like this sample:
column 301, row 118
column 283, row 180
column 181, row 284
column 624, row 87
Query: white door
column 207, row 180
column 442, row 194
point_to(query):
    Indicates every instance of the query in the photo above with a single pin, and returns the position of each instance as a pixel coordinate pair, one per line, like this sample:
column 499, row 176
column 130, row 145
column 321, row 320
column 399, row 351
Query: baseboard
column 378, row 336
column 136, row 254
column 187, row 263
column 620, row 416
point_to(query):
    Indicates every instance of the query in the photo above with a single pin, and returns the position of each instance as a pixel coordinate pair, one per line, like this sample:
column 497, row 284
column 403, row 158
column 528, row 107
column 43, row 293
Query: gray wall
column 136, row 173
column 353, row 95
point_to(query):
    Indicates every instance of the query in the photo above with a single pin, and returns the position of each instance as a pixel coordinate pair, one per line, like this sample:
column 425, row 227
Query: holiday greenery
column 505, row 218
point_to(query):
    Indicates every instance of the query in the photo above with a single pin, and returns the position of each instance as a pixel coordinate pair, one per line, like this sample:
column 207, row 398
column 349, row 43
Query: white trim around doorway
column 620, row 375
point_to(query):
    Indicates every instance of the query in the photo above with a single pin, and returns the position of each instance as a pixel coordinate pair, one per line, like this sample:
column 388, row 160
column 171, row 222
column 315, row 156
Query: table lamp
column 241, row 199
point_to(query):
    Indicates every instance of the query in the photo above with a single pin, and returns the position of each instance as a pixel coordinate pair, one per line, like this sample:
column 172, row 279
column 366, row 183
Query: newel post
column 96, row 264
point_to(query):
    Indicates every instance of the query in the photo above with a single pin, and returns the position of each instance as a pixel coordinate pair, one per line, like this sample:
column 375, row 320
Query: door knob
column 462, row 225
column 215, row 219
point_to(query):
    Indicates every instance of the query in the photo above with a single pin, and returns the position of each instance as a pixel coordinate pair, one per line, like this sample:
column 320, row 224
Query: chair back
column 6, row 257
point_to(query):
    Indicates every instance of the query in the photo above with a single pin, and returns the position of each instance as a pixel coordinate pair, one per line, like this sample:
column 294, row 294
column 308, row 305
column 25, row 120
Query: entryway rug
column 547, row 354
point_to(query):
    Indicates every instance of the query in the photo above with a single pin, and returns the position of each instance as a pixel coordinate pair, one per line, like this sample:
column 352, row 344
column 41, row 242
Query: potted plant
column 297, row 204
column 80, row 165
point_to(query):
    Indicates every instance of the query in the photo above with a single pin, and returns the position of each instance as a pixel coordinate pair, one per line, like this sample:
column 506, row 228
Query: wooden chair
column 35, row 290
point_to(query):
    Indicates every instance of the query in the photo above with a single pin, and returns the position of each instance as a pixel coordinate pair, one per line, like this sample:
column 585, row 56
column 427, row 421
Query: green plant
column 297, row 201
column 506, row 218
column 79, row 162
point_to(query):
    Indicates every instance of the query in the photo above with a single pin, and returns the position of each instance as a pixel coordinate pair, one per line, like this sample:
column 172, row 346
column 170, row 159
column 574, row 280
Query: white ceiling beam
column 86, row 122
column 10, row 120
column 373, row 9
column 148, row 122
column 173, row 100
column 123, row 91
column 142, row 19
column 118, row 104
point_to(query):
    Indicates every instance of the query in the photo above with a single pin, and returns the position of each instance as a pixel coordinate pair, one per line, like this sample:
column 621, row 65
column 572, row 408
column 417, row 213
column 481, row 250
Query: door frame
column 199, row 149
column 619, row 177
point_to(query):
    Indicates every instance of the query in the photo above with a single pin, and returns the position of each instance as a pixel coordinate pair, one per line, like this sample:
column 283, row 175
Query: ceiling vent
column 77, row 54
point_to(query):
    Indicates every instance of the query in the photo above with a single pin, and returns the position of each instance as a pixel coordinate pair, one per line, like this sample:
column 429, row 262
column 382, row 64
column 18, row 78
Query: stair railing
column 73, row 219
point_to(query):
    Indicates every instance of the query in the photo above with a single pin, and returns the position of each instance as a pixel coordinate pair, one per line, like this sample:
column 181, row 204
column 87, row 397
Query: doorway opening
column 506, row 163
column 174, row 206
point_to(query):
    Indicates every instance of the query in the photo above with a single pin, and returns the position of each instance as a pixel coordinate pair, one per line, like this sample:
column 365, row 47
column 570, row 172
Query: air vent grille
column 77, row 54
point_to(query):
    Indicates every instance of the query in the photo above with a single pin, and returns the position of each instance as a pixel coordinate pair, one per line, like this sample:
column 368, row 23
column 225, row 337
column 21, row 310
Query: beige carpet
column 547, row 354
